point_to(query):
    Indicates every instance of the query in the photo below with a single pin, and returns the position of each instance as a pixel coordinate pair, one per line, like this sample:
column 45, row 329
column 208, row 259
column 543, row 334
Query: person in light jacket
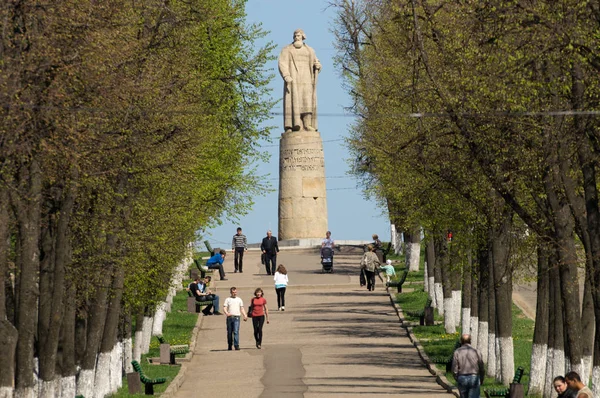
column 370, row 263
column 281, row 282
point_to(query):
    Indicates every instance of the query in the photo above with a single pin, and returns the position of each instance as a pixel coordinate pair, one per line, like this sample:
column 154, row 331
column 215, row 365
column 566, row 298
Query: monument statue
column 299, row 68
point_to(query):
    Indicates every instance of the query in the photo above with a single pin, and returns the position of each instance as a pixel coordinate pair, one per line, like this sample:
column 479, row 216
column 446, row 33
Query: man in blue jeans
column 234, row 308
column 468, row 369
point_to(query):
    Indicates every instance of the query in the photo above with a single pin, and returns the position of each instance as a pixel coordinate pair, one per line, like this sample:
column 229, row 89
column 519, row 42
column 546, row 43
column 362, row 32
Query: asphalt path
column 334, row 339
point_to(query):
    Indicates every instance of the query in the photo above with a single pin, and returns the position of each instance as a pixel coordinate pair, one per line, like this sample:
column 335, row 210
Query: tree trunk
column 4, row 250
column 102, row 383
column 139, row 336
column 503, row 290
column 588, row 326
column 66, row 361
column 127, row 343
column 430, row 260
column 437, row 272
column 443, row 256
column 475, row 304
column 492, row 363
column 466, row 296
column 28, row 221
column 55, row 261
column 95, row 330
column 483, row 288
column 540, row 335
column 413, row 249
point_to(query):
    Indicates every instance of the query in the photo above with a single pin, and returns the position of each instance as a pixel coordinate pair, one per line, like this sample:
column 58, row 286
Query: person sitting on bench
column 202, row 293
column 216, row 262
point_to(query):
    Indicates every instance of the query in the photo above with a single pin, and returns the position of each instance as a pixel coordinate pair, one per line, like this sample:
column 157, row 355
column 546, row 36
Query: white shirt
column 327, row 242
column 234, row 305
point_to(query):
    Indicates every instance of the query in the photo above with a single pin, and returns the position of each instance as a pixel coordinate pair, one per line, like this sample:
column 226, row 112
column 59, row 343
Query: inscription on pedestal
column 302, row 159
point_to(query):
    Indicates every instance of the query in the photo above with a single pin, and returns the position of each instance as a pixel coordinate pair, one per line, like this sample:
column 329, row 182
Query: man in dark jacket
column 270, row 249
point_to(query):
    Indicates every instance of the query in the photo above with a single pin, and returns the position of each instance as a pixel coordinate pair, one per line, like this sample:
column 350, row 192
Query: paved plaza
column 335, row 339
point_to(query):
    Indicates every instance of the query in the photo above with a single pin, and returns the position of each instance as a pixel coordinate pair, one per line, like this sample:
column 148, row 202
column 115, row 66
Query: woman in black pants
column 370, row 263
column 281, row 281
column 260, row 312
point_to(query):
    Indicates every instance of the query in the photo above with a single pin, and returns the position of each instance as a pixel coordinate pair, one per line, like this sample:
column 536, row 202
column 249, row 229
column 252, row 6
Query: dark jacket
column 269, row 245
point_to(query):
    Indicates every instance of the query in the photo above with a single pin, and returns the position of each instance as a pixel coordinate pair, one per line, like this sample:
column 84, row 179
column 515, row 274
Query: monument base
column 302, row 192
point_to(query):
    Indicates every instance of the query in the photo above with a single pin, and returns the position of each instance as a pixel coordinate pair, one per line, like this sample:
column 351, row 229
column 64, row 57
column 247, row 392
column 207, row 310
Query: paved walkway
column 334, row 339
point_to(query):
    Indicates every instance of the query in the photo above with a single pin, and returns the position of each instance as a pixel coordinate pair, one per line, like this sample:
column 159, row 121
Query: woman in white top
column 281, row 281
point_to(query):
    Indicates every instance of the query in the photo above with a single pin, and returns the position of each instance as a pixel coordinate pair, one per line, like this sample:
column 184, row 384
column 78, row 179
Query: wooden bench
column 426, row 312
column 505, row 392
column 209, row 248
column 399, row 282
column 168, row 352
column 194, row 305
column 202, row 268
column 148, row 383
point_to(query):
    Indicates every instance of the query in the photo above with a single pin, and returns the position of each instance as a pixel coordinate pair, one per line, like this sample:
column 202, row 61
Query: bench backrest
column 403, row 276
column 138, row 368
column 161, row 340
column 518, row 375
column 388, row 248
column 429, row 302
column 209, row 248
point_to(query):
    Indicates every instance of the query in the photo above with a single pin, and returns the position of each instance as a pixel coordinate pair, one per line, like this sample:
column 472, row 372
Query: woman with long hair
column 260, row 312
column 281, row 281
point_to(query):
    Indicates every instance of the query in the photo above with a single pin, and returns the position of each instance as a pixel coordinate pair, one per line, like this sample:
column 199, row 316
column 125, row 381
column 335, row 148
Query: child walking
column 389, row 270
column 281, row 281
column 260, row 312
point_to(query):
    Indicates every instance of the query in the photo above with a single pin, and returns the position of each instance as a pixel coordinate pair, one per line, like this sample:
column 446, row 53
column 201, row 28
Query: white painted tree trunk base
column 159, row 318
column 537, row 377
column 68, row 387
column 587, row 369
column 413, row 251
column 28, row 392
column 147, row 334
column 85, row 382
column 449, row 321
column 137, row 348
column 102, row 377
column 6, row 392
column 439, row 298
column 491, row 355
column 596, row 381
column 507, row 356
column 457, row 306
column 128, row 355
column 474, row 332
column 498, row 360
column 466, row 322
column 432, row 291
column 482, row 340
column 48, row 388
column 549, row 375
column 116, row 367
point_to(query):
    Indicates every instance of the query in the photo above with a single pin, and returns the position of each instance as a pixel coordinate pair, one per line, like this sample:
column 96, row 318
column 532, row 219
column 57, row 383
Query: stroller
column 327, row 259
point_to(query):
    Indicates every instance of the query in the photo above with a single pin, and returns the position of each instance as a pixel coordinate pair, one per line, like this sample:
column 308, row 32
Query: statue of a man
column 299, row 67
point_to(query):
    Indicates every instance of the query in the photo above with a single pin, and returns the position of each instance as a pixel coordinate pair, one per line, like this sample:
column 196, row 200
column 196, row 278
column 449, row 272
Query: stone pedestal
column 302, row 194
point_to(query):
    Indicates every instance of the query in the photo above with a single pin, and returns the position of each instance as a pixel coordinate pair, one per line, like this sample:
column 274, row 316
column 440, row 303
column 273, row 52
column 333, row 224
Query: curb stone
column 178, row 380
column 440, row 377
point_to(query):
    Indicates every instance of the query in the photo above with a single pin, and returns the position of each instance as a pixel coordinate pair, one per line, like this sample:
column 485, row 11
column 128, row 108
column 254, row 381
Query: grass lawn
column 177, row 329
column 439, row 344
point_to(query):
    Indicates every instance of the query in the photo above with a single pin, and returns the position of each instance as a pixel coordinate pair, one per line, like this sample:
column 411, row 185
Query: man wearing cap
column 270, row 249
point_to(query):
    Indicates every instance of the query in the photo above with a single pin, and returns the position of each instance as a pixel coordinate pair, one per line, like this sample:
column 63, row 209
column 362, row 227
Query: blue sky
column 351, row 216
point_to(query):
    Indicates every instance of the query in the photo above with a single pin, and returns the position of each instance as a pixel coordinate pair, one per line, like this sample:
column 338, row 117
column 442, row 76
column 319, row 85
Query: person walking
column 259, row 314
column 468, row 368
column 574, row 382
column 216, row 262
column 369, row 264
column 389, row 270
column 239, row 245
column 234, row 309
column 562, row 389
column 281, row 282
column 270, row 249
